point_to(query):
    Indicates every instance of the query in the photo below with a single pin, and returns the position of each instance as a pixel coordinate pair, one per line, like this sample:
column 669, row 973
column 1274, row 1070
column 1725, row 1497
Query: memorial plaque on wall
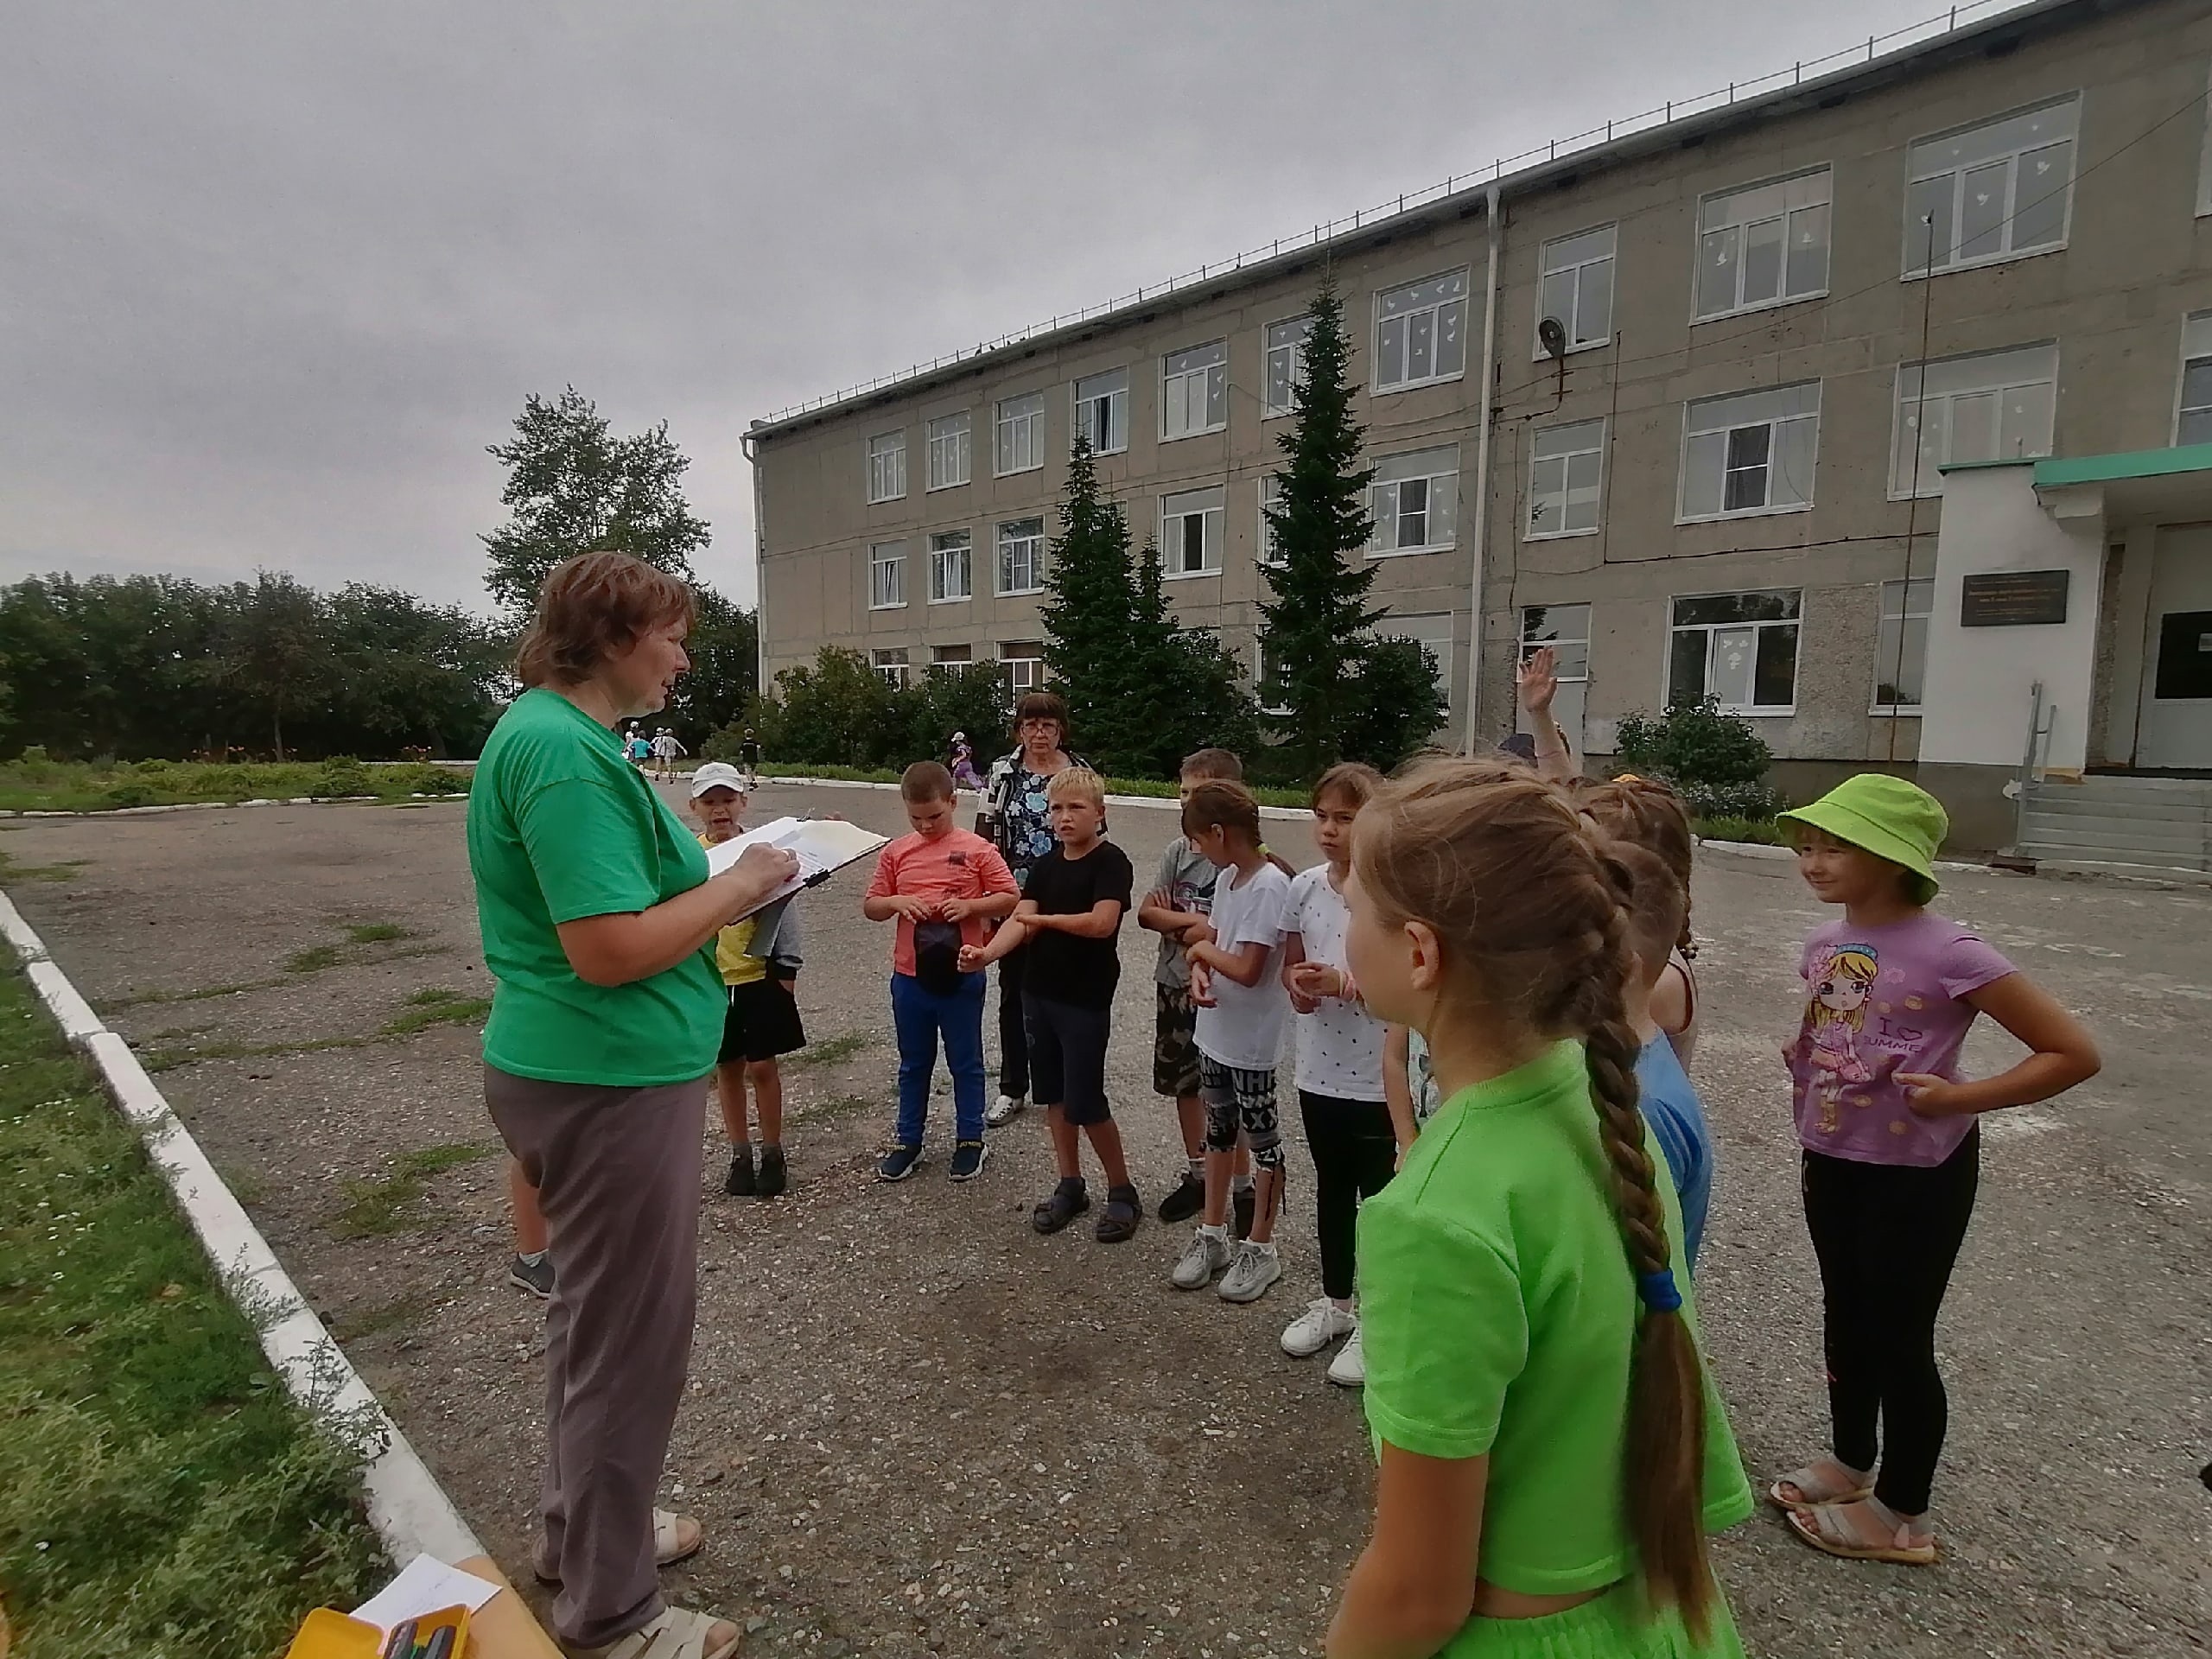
column 2013, row 598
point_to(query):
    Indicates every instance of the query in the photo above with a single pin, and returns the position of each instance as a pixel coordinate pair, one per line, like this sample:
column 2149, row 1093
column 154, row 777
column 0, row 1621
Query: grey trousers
column 617, row 1174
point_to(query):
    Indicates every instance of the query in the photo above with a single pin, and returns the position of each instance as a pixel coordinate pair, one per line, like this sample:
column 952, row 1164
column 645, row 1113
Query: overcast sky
column 272, row 275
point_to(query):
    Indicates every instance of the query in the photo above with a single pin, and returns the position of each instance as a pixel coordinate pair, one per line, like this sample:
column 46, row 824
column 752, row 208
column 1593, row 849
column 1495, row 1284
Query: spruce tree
column 1086, row 611
column 1315, row 632
column 1182, row 688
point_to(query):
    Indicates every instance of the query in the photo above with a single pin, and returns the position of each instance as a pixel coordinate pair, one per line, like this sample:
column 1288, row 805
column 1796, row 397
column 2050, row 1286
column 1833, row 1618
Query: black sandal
column 1068, row 1200
column 1117, row 1222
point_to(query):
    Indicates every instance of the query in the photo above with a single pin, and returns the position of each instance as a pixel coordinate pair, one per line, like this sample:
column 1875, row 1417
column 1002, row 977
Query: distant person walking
column 638, row 748
column 666, row 751
column 748, row 758
column 963, row 760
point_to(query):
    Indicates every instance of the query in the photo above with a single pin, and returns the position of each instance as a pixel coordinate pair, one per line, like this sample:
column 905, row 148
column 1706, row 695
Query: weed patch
column 831, row 1051
column 393, row 1203
column 434, row 1006
column 377, row 932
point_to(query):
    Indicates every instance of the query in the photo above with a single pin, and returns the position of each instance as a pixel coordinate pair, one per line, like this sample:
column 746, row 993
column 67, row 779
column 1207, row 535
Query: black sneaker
column 899, row 1163
column 739, row 1182
column 771, row 1171
column 1241, row 1203
column 1185, row 1201
column 536, row 1277
column 968, row 1159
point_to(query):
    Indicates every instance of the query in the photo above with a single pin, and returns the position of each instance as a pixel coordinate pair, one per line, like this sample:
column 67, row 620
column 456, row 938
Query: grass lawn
column 161, row 1495
column 1149, row 787
column 35, row 785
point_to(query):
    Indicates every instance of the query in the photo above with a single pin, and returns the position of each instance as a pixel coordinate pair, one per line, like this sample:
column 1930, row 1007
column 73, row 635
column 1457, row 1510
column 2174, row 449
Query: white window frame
column 1438, row 498
column 1567, row 444
column 2196, row 347
column 1003, row 566
column 1259, row 672
column 886, row 556
column 1713, row 417
column 1804, row 196
column 942, row 545
column 1559, row 257
column 1172, row 544
column 1024, row 662
column 886, row 467
column 944, row 657
column 948, row 447
column 1573, row 670
column 893, row 664
column 1265, row 555
column 1796, row 660
column 1018, row 434
column 1435, row 311
column 1284, row 345
column 1117, row 399
column 1209, row 374
column 1917, row 172
column 2003, row 372
column 1902, row 602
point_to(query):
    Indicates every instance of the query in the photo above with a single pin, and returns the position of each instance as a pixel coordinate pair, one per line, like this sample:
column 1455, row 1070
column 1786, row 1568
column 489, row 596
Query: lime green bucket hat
column 1888, row 817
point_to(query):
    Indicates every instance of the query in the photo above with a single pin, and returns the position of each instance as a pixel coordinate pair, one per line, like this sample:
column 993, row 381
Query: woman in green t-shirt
column 599, row 920
column 1552, row 1453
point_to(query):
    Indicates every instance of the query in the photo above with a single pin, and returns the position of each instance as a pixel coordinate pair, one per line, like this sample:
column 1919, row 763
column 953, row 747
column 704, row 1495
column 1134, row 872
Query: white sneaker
column 1349, row 1368
column 1255, row 1267
column 1005, row 1109
column 1206, row 1254
column 1321, row 1324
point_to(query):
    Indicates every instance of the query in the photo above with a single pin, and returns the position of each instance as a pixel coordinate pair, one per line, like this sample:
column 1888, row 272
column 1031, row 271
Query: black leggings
column 1014, row 1035
column 1886, row 1236
column 1355, row 1153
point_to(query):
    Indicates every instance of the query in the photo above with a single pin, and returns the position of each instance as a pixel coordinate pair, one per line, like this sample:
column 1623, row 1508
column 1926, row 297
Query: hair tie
column 1658, row 1291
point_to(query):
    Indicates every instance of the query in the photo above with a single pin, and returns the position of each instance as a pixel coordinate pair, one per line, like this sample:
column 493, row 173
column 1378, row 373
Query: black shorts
column 1067, row 1058
column 762, row 1022
column 1175, row 1042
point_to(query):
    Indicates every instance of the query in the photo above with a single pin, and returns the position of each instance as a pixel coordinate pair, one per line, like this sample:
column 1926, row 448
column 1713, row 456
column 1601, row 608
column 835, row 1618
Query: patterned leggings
column 1236, row 1098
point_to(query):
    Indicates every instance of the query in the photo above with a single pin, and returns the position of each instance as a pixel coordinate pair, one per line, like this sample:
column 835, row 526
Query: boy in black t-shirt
column 1070, row 917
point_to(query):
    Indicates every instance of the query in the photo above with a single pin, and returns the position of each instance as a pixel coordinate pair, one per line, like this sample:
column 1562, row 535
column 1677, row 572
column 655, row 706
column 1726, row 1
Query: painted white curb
column 1760, row 850
column 1284, row 813
column 410, row 1510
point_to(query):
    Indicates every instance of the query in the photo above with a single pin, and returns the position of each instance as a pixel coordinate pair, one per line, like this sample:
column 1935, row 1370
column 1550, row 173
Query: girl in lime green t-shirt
column 1552, row 1452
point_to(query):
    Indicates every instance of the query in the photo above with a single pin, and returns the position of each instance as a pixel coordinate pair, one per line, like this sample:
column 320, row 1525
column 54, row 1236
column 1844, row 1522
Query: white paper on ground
column 822, row 846
column 425, row 1584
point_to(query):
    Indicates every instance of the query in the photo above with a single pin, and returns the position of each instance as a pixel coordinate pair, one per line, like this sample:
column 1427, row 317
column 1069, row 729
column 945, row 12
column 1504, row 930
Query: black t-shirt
column 1062, row 968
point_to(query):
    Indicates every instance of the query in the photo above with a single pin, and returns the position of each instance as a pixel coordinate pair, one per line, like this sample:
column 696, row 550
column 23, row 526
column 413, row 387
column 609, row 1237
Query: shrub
column 228, row 783
column 129, row 795
column 1717, row 761
column 341, row 776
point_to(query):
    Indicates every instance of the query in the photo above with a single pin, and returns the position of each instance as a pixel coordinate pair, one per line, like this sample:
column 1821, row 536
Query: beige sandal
column 1812, row 1491
column 1824, row 1527
column 678, row 1633
column 668, row 1546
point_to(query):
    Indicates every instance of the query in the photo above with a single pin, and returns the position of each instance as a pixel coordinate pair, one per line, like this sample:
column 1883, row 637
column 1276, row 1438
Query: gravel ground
column 916, row 1427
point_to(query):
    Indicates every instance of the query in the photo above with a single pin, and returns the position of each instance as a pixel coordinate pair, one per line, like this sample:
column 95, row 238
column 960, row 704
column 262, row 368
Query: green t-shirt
column 561, row 827
column 1498, row 1309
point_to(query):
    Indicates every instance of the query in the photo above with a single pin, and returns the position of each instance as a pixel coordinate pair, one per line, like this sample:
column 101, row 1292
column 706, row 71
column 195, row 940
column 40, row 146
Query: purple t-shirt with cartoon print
column 1879, row 1001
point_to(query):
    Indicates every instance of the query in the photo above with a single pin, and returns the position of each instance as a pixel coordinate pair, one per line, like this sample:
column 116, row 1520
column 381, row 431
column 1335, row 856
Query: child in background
column 1552, row 1452
column 1069, row 918
column 1672, row 1111
column 943, row 885
column 1892, row 1146
column 1177, row 908
column 1340, row 1093
column 761, row 973
column 1647, row 813
column 1242, row 1008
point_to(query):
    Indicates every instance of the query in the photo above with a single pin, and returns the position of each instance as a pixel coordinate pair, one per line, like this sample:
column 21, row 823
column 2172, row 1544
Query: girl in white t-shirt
column 1340, row 1089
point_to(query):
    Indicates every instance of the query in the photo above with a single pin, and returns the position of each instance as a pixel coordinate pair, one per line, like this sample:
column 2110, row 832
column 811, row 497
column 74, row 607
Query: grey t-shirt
column 1188, row 880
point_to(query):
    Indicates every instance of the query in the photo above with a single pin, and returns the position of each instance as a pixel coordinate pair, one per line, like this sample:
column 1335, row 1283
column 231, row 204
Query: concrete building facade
column 1705, row 406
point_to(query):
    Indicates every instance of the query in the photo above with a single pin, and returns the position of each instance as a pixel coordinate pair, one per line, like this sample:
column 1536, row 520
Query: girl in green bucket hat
column 1891, row 1149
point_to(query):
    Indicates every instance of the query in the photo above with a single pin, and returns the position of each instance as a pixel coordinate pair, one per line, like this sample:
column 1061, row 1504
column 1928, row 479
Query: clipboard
column 823, row 847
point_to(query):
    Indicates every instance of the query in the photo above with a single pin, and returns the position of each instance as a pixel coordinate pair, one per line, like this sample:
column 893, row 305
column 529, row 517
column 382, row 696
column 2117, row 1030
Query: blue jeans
column 917, row 1016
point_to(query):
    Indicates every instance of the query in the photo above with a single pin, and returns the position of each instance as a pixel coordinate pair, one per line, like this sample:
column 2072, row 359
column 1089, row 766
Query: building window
column 1102, row 411
column 1024, row 663
column 886, row 467
column 1566, row 629
column 1751, row 453
column 949, row 573
column 2193, row 418
column 1567, row 475
column 948, row 451
column 951, row 657
column 1432, row 633
column 1414, row 499
column 887, row 576
column 1763, row 244
column 1421, row 332
column 1194, row 390
column 891, row 665
column 1740, row 648
column 1190, row 532
column 1576, row 287
column 1260, row 676
column 1021, row 433
column 1900, row 645
column 1996, row 406
column 1270, row 500
column 1021, row 556
column 1284, row 370
column 1997, row 191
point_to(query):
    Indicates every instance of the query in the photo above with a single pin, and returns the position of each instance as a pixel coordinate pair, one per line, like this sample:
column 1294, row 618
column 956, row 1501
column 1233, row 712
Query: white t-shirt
column 1339, row 1044
column 1245, row 1028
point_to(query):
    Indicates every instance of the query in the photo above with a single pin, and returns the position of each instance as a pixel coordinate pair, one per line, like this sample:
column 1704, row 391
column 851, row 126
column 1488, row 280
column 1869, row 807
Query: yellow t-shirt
column 730, row 946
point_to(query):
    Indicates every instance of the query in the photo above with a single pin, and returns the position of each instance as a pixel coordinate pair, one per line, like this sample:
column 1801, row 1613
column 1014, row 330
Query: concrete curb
column 1281, row 813
column 410, row 1510
column 1760, row 850
column 213, row 806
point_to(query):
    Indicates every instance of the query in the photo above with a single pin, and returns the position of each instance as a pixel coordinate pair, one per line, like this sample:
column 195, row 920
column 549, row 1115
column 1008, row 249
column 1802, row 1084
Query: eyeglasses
column 1039, row 724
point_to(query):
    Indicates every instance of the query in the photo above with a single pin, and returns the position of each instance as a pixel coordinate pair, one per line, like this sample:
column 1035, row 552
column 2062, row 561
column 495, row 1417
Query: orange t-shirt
column 958, row 864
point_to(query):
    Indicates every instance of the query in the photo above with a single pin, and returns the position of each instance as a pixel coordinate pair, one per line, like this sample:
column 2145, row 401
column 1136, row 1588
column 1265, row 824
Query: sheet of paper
column 821, row 846
column 425, row 1584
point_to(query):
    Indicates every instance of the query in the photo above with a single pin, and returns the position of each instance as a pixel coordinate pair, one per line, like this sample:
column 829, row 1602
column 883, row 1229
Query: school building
column 1875, row 400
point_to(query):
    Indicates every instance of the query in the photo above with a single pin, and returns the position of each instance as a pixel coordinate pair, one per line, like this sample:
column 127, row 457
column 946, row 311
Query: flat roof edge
column 2056, row 471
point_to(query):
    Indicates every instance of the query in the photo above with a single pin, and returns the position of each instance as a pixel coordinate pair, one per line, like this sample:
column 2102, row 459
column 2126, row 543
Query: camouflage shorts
column 1175, row 1043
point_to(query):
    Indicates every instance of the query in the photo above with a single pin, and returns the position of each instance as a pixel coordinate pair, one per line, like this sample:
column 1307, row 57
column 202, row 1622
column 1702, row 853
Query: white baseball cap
column 716, row 774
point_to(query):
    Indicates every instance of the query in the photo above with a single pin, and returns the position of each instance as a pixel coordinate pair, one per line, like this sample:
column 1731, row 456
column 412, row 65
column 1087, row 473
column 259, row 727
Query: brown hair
column 1041, row 705
column 1354, row 780
column 591, row 607
column 1213, row 763
column 1645, row 812
column 1656, row 908
column 1079, row 781
column 1528, row 905
column 1218, row 804
column 925, row 780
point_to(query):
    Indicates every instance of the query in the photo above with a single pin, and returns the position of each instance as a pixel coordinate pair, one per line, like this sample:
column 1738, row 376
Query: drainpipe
column 759, row 575
column 1482, row 481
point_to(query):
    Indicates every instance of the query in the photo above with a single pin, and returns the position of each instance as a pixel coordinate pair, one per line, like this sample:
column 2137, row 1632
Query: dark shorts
column 762, row 1022
column 1067, row 1058
column 1175, row 1042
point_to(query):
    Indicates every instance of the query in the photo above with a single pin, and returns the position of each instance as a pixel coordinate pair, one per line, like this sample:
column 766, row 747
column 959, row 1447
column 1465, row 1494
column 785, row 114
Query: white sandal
column 678, row 1633
column 668, row 1546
